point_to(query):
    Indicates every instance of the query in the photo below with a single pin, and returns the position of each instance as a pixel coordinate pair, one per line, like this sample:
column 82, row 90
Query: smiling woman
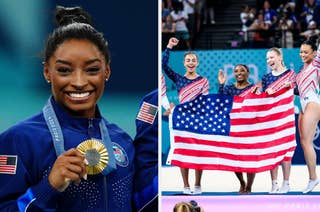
column 278, row 78
column 241, row 87
column 68, row 157
column 189, row 87
column 77, row 71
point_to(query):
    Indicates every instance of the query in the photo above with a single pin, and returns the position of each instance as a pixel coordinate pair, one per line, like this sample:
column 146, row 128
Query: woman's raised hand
column 172, row 42
column 222, row 77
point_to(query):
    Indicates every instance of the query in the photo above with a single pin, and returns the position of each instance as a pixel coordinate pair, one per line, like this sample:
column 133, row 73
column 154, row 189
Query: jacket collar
column 68, row 121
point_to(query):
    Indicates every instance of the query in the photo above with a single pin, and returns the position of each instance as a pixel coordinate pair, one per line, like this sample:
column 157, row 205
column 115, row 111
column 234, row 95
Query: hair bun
column 68, row 15
column 193, row 203
column 314, row 39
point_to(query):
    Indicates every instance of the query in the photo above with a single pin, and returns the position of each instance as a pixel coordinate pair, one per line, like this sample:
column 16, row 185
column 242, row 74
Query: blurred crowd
column 283, row 23
column 183, row 19
column 267, row 23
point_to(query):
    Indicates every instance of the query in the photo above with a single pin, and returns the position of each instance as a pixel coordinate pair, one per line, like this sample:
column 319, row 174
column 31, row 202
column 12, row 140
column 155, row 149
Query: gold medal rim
column 101, row 149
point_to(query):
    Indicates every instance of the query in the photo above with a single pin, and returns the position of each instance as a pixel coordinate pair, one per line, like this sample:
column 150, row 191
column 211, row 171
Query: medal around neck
column 96, row 154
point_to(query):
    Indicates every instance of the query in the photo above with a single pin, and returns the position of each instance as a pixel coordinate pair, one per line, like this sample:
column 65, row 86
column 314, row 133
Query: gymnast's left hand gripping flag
column 254, row 133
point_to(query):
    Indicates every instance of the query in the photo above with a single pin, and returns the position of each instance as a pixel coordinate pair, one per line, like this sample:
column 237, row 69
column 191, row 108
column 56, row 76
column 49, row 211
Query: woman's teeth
column 79, row 95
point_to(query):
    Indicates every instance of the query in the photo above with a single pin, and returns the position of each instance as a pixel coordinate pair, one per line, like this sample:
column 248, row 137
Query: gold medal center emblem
column 96, row 154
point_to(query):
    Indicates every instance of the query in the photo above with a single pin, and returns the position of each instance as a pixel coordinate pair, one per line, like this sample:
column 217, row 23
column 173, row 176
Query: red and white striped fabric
column 147, row 112
column 248, row 91
column 194, row 89
column 261, row 133
column 307, row 78
column 163, row 86
column 164, row 99
column 8, row 164
column 290, row 77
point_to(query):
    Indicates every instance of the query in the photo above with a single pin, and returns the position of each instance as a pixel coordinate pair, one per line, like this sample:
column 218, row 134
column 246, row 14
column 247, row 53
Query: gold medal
column 96, row 154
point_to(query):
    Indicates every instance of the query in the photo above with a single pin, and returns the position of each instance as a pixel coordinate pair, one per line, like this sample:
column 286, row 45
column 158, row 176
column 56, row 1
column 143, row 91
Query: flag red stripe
column 213, row 143
column 7, row 169
column 258, row 157
column 266, row 107
column 239, row 99
column 145, row 112
column 223, row 147
column 145, row 109
column 261, row 119
column 145, row 116
column 265, row 131
column 3, row 160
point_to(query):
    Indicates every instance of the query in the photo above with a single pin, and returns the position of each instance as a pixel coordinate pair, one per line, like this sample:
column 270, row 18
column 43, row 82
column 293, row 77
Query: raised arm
column 222, row 80
column 165, row 59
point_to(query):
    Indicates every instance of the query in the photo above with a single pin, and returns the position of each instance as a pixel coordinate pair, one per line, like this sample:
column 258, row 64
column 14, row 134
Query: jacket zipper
column 105, row 192
column 105, row 188
column 90, row 128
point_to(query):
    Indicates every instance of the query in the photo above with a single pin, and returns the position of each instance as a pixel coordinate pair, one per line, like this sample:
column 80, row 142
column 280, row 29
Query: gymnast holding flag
column 280, row 77
column 189, row 86
column 241, row 87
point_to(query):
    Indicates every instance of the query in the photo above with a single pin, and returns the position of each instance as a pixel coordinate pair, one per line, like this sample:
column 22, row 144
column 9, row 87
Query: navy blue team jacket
column 28, row 148
column 146, row 159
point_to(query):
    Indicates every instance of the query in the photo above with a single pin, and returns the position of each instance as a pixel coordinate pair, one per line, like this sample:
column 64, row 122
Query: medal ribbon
column 54, row 127
column 58, row 140
column 108, row 144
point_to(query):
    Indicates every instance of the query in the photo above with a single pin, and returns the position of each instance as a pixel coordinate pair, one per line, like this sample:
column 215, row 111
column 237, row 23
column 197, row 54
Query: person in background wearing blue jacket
column 146, row 154
column 68, row 157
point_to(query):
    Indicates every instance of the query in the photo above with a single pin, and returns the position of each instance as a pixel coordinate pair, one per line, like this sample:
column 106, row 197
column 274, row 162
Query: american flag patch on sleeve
column 147, row 112
column 8, row 164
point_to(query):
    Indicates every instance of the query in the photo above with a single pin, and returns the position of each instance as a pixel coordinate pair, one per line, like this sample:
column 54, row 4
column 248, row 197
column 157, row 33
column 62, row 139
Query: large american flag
column 246, row 134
